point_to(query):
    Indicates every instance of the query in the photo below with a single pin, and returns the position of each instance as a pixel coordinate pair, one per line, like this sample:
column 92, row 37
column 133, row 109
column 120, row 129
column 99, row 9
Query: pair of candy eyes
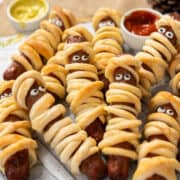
column 56, row 21
column 125, row 77
column 106, row 23
column 36, row 91
column 82, row 58
column 5, row 95
column 168, row 34
column 167, row 111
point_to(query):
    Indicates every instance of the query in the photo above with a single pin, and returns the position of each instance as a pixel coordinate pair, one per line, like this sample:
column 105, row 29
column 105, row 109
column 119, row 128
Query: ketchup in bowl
column 141, row 22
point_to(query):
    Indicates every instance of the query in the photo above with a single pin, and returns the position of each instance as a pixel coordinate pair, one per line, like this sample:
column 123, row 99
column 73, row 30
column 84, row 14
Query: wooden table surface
column 83, row 9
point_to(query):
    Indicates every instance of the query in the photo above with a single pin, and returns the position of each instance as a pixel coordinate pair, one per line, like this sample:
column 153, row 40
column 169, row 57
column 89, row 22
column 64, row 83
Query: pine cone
column 166, row 6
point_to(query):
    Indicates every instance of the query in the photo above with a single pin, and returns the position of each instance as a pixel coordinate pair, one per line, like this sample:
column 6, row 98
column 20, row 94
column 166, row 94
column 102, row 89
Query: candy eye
column 52, row 21
column 169, row 35
column 42, row 89
column 118, row 77
column 84, row 57
column 34, row 92
column 59, row 23
column 161, row 110
column 2, row 97
column 101, row 24
column 162, row 30
column 76, row 58
column 170, row 112
column 110, row 23
column 127, row 77
column 6, row 95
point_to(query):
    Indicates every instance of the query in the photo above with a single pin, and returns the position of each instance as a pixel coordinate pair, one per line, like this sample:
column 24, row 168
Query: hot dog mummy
column 69, row 142
column 41, row 45
column 158, row 52
column 54, row 73
column 157, row 154
column 84, row 89
column 17, row 148
column 174, row 70
column 120, row 142
column 107, row 41
column 75, row 34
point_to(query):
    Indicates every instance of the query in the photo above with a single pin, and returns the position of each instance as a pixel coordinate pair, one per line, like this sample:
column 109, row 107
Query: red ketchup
column 141, row 22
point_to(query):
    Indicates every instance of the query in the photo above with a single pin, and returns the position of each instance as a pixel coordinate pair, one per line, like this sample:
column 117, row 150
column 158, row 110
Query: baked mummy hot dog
column 174, row 72
column 157, row 154
column 41, row 45
column 75, row 34
column 107, row 41
column 120, row 142
column 69, row 142
column 158, row 52
column 84, row 89
column 54, row 73
column 17, row 149
column 5, row 90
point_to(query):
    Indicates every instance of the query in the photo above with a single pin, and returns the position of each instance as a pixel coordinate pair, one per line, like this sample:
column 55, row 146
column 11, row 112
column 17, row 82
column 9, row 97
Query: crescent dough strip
column 174, row 70
column 14, row 135
column 160, row 123
column 70, row 143
column 157, row 52
column 124, row 105
column 42, row 44
column 83, row 87
column 107, row 41
column 102, row 13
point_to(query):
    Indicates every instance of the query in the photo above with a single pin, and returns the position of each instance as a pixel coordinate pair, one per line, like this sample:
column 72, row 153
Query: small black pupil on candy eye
column 169, row 34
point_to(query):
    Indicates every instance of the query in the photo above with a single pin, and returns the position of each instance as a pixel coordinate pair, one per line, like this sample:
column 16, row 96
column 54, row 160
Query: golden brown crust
column 124, row 105
column 107, row 41
column 160, row 123
column 70, row 143
column 157, row 52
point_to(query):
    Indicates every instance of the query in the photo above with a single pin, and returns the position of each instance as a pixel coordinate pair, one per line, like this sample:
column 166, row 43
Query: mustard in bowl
column 25, row 15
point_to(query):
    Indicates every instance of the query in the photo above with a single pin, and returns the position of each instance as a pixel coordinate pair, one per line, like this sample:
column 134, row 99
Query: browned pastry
column 84, row 89
column 17, row 149
column 75, row 34
column 174, row 72
column 41, row 45
column 107, row 41
column 120, row 142
column 158, row 52
column 174, row 68
column 66, row 138
column 157, row 154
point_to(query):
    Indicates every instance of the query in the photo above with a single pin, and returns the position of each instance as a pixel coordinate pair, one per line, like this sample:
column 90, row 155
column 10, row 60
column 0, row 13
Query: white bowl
column 132, row 40
column 28, row 25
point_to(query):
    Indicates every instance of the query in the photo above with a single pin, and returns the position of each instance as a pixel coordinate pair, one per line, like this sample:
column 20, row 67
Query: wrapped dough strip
column 157, row 154
column 174, row 72
column 84, row 89
column 120, row 142
column 17, row 153
column 107, row 41
column 69, row 142
column 54, row 73
column 158, row 52
column 41, row 45
column 75, row 34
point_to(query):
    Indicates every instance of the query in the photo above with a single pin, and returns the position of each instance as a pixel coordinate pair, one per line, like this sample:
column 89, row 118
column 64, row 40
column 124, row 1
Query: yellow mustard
column 27, row 10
